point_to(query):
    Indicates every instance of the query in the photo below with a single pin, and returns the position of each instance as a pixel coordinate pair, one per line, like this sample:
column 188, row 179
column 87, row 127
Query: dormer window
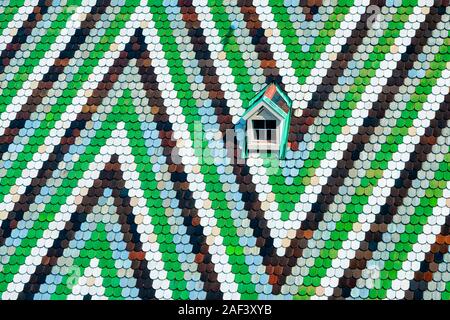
column 267, row 122
column 263, row 131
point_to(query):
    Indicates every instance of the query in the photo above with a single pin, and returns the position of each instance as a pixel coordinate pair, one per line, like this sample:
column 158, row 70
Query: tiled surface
column 104, row 194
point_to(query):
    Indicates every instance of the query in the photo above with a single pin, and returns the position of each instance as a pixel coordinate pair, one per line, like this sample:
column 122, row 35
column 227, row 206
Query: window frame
column 255, row 145
column 267, row 134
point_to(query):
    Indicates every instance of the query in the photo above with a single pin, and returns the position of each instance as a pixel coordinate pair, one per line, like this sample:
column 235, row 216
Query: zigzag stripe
column 268, row 242
column 110, row 177
column 300, row 125
column 71, row 134
column 52, row 75
column 397, row 193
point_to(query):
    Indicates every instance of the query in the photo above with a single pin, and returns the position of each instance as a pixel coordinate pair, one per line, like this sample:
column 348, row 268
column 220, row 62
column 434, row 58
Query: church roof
column 114, row 178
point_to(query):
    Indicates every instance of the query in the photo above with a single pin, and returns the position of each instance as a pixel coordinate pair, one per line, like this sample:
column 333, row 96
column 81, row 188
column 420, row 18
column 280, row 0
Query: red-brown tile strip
column 310, row 8
column 206, row 65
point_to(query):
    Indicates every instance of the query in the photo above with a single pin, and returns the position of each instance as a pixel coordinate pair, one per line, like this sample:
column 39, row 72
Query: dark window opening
column 265, row 130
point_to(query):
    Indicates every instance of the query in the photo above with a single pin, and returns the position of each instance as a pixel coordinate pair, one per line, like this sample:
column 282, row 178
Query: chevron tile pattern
column 116, row 181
